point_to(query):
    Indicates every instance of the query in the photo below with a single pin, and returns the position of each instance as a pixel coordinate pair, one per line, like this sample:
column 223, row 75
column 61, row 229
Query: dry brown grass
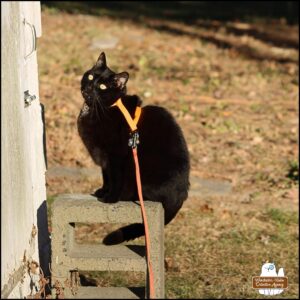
column 239, row 116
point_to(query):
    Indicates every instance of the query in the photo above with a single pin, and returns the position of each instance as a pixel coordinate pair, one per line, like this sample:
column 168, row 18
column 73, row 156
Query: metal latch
column 28, row 98
column 134, row 139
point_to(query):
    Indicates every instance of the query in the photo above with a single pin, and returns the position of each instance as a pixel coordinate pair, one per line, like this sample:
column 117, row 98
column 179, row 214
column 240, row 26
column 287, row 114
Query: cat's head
column 102, row 86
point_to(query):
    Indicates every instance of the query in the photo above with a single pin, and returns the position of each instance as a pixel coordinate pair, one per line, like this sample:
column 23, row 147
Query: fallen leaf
column 206, row 209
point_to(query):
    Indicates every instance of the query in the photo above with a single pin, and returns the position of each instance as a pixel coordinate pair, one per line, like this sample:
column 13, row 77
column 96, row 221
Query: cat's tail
column 125, row 233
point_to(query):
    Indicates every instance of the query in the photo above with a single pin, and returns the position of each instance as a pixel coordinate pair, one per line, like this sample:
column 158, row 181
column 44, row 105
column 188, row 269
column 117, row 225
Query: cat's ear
column 121, row 79
column 101, row 60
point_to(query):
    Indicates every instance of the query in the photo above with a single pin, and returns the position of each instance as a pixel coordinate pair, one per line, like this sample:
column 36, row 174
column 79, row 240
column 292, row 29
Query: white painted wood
column 33, row 120
column 22, row 161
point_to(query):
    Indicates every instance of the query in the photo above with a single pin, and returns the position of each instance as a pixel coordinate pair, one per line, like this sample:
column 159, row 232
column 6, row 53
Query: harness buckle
column 134, row 139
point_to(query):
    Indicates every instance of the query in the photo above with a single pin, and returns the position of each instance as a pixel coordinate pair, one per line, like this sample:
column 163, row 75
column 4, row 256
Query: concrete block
column 108, row 293
column 67, row 255
column 87, row 209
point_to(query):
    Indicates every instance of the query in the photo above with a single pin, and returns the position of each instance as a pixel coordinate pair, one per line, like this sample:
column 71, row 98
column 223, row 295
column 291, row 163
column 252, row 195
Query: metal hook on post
column 33, row 32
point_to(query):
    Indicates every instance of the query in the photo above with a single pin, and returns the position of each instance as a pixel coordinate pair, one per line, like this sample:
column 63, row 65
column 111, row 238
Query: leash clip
column 134, row 139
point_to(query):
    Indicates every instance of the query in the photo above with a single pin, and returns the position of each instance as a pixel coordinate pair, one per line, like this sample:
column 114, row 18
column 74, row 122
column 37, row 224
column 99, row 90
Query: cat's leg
column 115, row 178
column 101, row 192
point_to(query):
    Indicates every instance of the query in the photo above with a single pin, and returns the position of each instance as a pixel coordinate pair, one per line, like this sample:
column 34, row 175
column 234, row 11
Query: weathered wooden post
column 24, row 233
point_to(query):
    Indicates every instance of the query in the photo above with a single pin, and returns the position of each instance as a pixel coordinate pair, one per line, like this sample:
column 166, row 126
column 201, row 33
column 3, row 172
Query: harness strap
column 131, row 122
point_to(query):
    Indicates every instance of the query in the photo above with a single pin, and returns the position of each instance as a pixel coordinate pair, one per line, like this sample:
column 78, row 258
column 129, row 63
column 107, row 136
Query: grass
column 282, row 218
column 50, row 200
column 224, row 267
column 213, row 252
column 293, row 172
column 117, row 279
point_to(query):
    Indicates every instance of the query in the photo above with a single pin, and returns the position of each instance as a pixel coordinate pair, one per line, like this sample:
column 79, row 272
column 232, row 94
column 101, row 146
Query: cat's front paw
column 109, row 198
column 100, row 193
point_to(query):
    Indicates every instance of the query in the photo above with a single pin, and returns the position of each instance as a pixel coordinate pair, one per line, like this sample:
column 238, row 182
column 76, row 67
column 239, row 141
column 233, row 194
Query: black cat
column 163, row 154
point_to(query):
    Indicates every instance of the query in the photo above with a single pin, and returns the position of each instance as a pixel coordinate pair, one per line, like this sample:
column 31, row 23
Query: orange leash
column 139, row 186
column 133, row 142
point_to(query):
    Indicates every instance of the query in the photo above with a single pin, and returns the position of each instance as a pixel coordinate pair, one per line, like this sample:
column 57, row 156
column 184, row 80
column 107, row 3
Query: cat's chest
column 94, row 129
column 85, row 124
column 86, row 121
column 85, row 111
column 102, row 133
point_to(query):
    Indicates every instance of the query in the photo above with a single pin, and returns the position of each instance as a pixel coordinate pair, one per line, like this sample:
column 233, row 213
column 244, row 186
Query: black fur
column 163, row 154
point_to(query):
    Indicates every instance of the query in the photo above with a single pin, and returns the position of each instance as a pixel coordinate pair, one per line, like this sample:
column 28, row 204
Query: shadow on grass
column 185, row 11
column 199, row 20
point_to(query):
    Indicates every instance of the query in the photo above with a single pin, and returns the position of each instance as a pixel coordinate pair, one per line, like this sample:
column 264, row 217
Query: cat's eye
column 102, row 86
column 90, row 77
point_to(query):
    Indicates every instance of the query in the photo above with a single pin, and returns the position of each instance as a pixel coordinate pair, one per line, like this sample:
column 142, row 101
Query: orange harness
column 131, row 122
column 133, row 142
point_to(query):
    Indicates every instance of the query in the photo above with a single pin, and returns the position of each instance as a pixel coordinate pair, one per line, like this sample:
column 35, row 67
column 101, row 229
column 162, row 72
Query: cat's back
column 158, row 116
column 164, row 158
column 159, row 131
column 159, row 120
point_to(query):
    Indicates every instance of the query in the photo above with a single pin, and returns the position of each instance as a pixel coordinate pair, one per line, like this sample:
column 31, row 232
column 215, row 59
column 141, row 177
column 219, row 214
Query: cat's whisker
column 95, row 109
column 98, row 114
column 105, row 112
column 99, row 110
column 103, row 108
